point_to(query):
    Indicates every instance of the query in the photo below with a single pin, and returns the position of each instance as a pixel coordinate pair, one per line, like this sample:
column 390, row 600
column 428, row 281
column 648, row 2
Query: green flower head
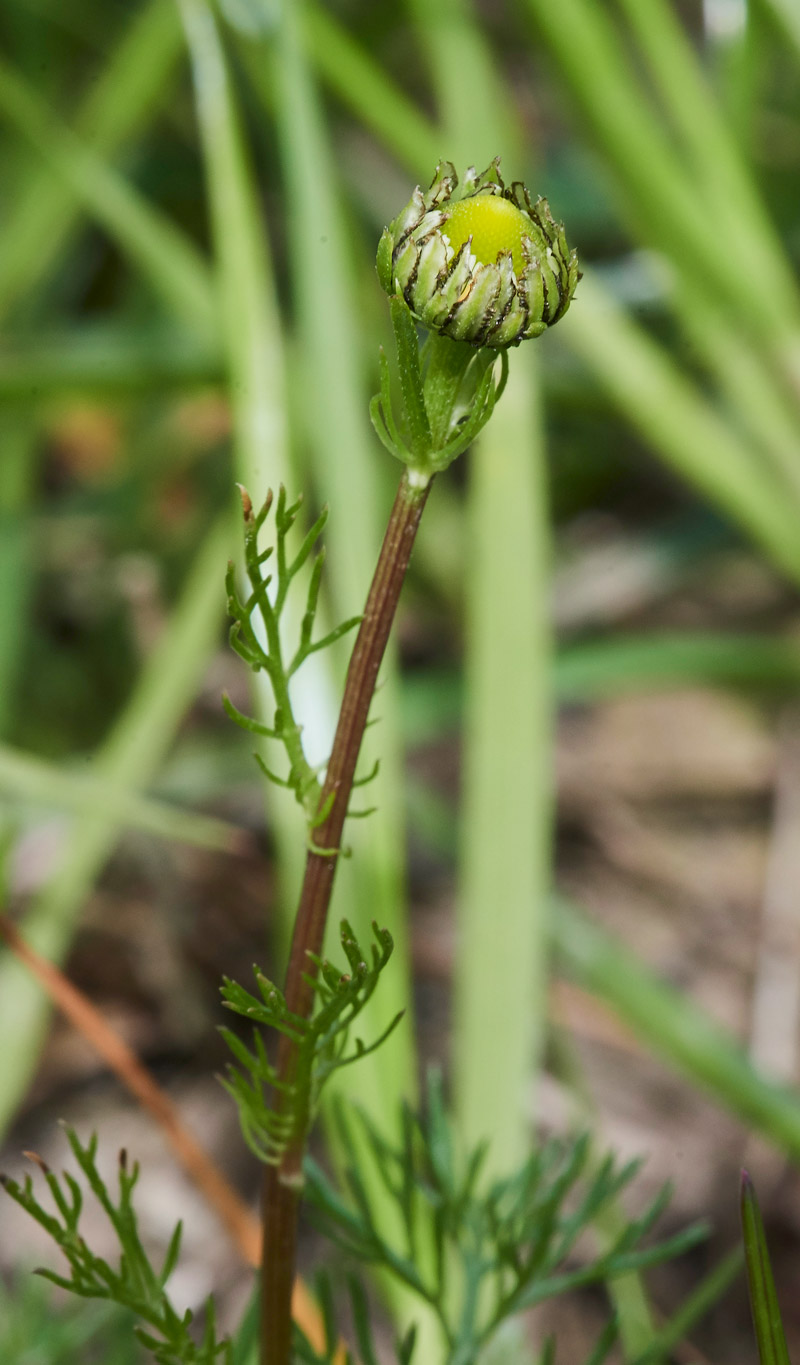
column 484, row 265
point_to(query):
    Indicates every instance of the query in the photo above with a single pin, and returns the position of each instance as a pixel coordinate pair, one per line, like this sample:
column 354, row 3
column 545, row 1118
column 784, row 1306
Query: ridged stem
column 282, row 1183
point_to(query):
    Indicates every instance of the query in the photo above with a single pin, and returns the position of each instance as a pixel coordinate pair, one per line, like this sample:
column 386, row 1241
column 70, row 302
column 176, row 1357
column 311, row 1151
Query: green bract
column 486, row 265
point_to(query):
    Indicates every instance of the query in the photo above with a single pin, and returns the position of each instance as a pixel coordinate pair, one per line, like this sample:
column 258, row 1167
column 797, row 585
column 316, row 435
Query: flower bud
column 485, row 266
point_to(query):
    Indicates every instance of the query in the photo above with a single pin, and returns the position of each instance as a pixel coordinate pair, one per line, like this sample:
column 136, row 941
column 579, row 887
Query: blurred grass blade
column 127, row 90
column 674, row 1028
column 249, row 309
column 723, row 181
column 477, row 119
column 787, row 16
column 501, row 968
column 609, row 667
column 329, row 367
column 30, row 779
column 38, row 220
column 105, row 359
column 720, row 175
column 504, row 873
column 38, row 1328
column 668, row 206
column 761, row 1285
column 129, row 758
column 750, row 388
column 375, row 101
column 344, row 466
column 670, row 411
column 417, row 143
column 170, row 263
column 244, row 1348
column 255, row 362
column 703, row 1298
column 17, row 571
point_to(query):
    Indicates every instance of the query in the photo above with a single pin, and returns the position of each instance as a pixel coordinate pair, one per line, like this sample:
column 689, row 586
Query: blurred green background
column 599, row 653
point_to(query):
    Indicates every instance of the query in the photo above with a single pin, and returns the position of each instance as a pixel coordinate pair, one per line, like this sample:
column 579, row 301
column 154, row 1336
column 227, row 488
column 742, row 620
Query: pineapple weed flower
column 485, row 266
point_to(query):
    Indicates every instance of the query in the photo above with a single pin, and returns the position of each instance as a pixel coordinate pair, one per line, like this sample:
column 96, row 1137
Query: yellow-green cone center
column 494, row 224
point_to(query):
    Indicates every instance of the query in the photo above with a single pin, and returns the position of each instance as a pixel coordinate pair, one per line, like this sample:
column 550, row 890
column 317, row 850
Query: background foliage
column 191, row 201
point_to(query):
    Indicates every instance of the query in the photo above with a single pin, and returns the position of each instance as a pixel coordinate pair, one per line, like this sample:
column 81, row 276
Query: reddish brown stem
column 282, row 1183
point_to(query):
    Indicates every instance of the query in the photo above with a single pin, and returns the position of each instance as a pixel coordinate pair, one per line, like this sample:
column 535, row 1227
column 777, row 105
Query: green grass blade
column 245, row 1342
column 669, row 411
column 38, row 221
column 760, row 1283
column 416, row 143
column 244, row 276
column 742, row 258
column 723, row 181
column 253, row 347
column 720, row 175
column 331, row 376
column 608, row 667
column 505, row 863
column 28, row 779
column 476, row 116
column 172, row 266
column 345, row 466
column 676, row 1030
column 36, row 1326
column 787, row 17
column 695, row 1307
column 19, row 455
column 106, row 359
column 128, row 89
column 670, row 208
column 357, row 79
column 501, row 968
column 129, row 758
column 500, row 980
column 750, row 387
